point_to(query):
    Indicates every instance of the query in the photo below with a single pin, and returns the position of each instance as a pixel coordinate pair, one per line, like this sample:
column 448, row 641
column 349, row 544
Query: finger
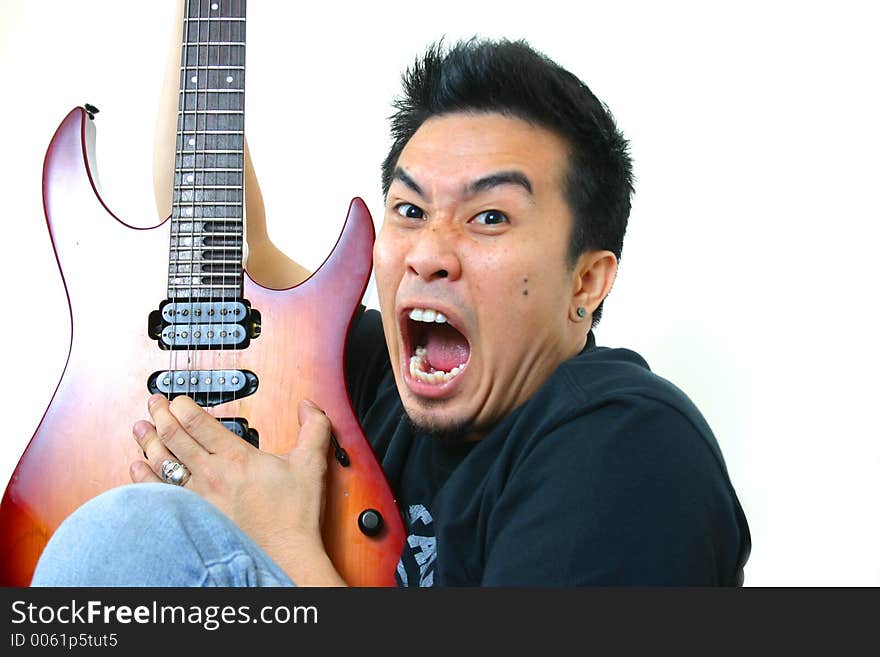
column 141, row 473
column 202, row 426
column 172, row 435
column 154, row 449
column 314, row 427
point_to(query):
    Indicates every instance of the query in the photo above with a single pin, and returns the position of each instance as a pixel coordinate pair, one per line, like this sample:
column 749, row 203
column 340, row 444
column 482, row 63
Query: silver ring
column 174, row 472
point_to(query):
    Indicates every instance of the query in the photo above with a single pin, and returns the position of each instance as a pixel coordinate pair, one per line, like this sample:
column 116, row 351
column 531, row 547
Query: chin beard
column 451, row 433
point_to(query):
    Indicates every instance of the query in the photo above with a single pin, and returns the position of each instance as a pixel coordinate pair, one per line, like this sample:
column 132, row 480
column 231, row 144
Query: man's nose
column 434, row 254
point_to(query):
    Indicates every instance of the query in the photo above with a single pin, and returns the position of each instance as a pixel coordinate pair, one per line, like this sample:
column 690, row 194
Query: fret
column 199, row 121
column 216, row 143
column 208, row 239
column 224, row 214
column 195, row 8
column 199, row 234
column 218, row 278
column 185, row 286
column 210, row 111
column 215, row 227
column 190, row 263
column 212, row 91
column 215, row 186
column 214, row 134
column 184, row 169
column 190, row 195
column 204, row 54
column 212, row 67
column 221, row 276
column 212, row 18
column 227, row 220
column 231, row 205
column 185, row 204
column 214, row 247
column 201, row 162
column 220, row 239
column 187, row 44
column 209, row 151
column 198, row 255
column 194, row 181
column 222, row 264
column 207, row 102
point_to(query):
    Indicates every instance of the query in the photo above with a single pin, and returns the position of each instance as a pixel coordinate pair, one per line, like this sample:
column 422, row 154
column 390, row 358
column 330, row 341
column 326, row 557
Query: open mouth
column 438, row 351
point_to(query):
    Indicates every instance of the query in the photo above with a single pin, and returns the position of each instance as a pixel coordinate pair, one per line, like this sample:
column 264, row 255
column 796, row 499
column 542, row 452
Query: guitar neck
column 207, row 217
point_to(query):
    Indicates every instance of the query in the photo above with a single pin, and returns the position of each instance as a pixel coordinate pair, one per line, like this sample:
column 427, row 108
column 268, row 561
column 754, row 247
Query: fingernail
column 139, row 429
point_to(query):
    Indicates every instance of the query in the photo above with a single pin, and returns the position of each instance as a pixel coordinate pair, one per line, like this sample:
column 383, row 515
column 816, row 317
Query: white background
column 748, row 275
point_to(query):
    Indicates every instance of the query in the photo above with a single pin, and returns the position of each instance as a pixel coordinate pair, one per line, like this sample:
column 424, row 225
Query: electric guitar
column 171, row 309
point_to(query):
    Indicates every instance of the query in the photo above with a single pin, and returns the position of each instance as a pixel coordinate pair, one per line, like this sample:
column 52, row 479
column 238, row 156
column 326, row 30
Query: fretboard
column 207, row 217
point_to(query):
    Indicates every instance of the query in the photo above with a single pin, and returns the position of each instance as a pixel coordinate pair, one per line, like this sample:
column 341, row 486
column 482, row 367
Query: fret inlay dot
column 229, row 78
column 194, row 79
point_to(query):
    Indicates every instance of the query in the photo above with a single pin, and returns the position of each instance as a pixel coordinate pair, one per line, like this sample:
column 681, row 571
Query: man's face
column 471, row 269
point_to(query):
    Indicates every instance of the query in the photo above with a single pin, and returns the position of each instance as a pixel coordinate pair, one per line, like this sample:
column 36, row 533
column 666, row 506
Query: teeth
column 427, row 315
column 417, row 369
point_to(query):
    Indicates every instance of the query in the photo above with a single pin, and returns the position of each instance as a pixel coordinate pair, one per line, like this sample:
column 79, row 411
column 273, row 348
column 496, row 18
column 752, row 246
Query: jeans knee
column 132, row 505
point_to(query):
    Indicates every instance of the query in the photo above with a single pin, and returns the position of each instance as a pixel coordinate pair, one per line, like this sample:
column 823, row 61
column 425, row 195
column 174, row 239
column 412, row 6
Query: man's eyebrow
column 403, row 176
column 479, row 185
column 500, row 178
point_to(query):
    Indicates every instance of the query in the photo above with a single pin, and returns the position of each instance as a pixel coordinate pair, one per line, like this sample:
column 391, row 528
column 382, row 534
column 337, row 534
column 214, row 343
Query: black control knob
column 370, row 522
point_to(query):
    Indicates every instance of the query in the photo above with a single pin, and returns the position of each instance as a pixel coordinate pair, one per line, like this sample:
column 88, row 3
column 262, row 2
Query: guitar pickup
column 206, row 387
column 239, row 426
column 187, row 324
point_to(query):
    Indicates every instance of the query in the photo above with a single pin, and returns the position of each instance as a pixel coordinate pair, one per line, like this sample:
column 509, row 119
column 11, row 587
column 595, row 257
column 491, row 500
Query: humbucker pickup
column 229, row 324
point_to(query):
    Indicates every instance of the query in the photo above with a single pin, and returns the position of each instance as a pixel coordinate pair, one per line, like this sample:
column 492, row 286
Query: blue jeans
column 153, row 535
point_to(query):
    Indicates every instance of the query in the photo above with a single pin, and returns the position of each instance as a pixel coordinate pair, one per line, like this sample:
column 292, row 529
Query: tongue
column 446, row 347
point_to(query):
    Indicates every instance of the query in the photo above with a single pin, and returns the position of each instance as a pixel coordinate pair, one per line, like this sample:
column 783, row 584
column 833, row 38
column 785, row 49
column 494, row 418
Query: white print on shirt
column 422, row 547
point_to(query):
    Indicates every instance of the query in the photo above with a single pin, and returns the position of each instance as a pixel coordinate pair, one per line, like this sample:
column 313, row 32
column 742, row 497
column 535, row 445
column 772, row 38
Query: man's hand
column 277, row 500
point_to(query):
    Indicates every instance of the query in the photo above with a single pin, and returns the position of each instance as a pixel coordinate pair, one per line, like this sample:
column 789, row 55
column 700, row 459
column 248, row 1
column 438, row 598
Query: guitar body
column 114, row 275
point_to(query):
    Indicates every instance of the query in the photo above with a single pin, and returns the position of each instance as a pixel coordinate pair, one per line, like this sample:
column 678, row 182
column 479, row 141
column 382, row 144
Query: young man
column 520, row 452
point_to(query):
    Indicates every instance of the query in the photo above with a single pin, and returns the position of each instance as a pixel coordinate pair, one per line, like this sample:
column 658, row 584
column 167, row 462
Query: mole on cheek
column 525, row 290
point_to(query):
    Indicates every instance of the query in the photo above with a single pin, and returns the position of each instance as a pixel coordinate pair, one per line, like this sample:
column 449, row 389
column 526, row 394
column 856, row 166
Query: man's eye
column 491, row 218
column 409, row 211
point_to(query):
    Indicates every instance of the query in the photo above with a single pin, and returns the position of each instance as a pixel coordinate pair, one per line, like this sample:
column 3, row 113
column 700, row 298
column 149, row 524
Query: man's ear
column 592, row 278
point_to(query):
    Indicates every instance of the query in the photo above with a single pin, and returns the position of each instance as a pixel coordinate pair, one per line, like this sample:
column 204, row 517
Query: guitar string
column 221, row 14
column 177, row 204
column 222, row 240
column 200, row 134
column 241, row 206
column 191, row 365
column 223, row 11
column 227, row 50
column 185, row 265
